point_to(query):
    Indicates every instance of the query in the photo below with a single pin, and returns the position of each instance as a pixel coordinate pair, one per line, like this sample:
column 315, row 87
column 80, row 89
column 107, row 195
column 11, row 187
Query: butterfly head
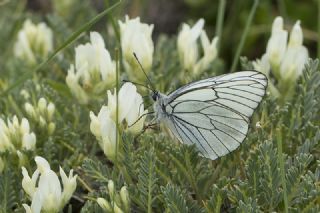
column 155, row 95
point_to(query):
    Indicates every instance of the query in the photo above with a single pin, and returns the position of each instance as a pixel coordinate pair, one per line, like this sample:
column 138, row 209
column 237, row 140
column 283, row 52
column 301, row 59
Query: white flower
column 286, row 61
column 16, row 136
column 277, row 44
column 188, row 47
column 104, row 128
column 136, row 38
column 94, row 70
column 47, row 195
column 295, row 57
column 130, row 107
column 33, row 41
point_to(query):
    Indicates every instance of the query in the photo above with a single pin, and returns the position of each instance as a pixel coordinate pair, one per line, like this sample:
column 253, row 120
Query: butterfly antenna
column 152, row 88
column 135, row 83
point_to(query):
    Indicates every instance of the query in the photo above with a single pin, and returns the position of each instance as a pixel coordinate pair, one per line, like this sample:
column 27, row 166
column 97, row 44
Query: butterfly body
column 213, row 114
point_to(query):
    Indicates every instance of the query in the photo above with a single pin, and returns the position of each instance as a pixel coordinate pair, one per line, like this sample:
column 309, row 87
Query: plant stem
column 220, row 19
column 318, row 29
column 244, row 35
column 282, row 8
column 281, row 165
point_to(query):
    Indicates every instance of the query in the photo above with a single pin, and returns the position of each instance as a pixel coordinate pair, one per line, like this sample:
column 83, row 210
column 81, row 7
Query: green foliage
column 161, row 175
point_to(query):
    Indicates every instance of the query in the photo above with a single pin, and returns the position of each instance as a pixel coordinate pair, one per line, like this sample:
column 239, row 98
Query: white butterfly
column 214, row 113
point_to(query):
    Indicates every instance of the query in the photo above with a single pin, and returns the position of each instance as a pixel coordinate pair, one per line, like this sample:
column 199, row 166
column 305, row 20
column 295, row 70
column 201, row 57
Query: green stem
column 282, row 172
column 318, row 28
column 220, row 19
column 244, row 35
column 65, row 44
column 282, row 8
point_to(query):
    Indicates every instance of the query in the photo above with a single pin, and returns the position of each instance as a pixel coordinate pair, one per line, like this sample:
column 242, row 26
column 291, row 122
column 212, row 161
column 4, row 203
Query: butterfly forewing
column 214, row 113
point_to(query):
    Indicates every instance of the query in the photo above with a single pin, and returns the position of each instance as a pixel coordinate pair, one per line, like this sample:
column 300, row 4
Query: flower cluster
column 130, row 117
column 42, row 114
column 286, row 60
column 94, row 70
column 136, row 38
column 33, row 41
column 15, row 135
column 189, row 51
column 44, row 188
column 119, row 202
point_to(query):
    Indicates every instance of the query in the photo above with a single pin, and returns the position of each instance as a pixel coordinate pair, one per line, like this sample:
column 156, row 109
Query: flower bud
column 105, row 205
column 30, row 110
column 29, row 141
column 51, row 108
column 42, row 122
column 124, row 195
column 51, row 128
column 111, row 189
column 42, row 105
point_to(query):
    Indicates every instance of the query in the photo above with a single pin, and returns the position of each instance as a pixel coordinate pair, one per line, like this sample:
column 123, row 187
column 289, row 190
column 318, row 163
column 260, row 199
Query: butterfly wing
column 214, row 113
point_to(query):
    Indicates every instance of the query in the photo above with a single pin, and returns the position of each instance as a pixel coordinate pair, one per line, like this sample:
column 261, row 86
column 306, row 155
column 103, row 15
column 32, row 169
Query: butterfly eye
column 155, row 96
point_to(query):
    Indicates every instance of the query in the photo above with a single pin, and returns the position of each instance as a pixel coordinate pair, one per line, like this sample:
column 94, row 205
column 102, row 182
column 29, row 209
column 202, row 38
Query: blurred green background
column 167, row 16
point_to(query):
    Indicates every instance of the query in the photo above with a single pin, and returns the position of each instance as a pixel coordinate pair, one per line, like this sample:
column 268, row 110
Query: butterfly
column 213, row 114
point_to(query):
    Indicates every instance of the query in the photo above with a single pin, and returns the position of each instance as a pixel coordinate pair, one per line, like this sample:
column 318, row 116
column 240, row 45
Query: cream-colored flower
column 130, row 107
column 16, row 136
column 296, row 56
column 136, row 37
column 44, row 188
column 94, row 70
column 188, row 47
column 33, row 41
column 104, row 128
column 277, row 44
column 285, row 59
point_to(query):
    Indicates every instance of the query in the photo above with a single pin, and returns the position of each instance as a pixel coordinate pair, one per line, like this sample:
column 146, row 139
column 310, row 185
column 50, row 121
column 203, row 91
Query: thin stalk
column 318, row 28
column 117, row 120
column 220, row 19
column 84, row 184
column 282, row 8
column 65, row 44
column 244, row 35
column 117, row 104
column 282, row 172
